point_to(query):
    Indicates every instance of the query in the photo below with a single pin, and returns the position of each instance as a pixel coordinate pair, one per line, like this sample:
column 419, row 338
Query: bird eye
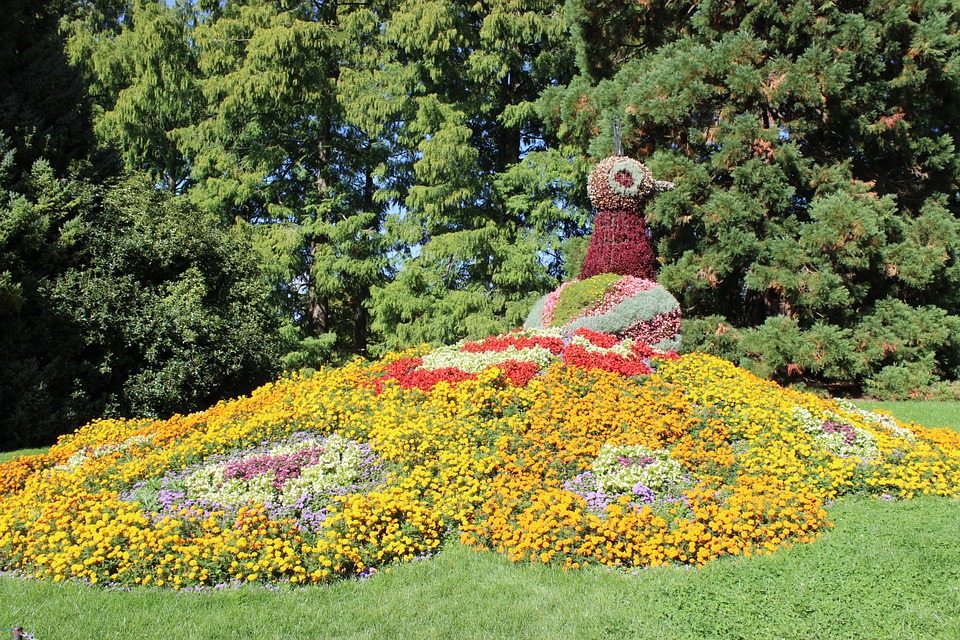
column 624, row 178
column 628, row 179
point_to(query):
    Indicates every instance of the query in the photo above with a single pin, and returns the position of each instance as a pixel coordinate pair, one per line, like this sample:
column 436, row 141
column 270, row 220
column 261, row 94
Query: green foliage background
column 813, row 234
column 344, row 178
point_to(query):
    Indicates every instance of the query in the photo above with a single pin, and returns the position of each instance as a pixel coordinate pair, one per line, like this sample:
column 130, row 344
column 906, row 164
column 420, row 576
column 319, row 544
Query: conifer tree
column 141, row 73
column 43, row 108
column 387, row 153
column 813, row 149
column 448, row 88
column 114, row 295
column 235, row 104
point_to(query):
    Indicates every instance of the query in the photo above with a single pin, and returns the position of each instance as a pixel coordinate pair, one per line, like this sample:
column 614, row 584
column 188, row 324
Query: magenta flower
column 284, row 466
column 849, row 435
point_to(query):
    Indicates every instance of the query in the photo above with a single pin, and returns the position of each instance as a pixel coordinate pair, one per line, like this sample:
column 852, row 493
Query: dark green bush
column 130, row 302
column 895, row 351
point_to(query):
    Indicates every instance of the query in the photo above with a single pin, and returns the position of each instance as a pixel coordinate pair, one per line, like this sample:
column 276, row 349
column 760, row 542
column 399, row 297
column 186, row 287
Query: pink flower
column 283, row 467
column 550, row 304
column 656, row 329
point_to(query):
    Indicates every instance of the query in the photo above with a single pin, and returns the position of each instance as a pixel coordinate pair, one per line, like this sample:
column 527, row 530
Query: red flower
column 518, row 373
column 578, row 356
column 402, row 367
column 408, row 374
column 597, row 339
column 505, row 341
column 405, row 372
column 641, row 350
column 427, row 379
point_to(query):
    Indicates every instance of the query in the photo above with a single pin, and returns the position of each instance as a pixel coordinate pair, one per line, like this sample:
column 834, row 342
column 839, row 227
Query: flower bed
column 622, row 306
column 558, row 453
column 521, row 355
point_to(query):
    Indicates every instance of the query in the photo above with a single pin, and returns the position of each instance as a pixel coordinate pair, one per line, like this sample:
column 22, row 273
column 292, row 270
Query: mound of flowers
column 618, row 305
column 521, row 355
column 547, row 447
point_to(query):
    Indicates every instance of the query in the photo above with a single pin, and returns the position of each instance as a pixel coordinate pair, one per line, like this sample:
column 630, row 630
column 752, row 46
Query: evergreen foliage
column 141, row 75
column 484, row 197
column 812, row 147
column 37, row 237
column 43, row 108
column 236, row 105
column 407, row 172
column 119, row 299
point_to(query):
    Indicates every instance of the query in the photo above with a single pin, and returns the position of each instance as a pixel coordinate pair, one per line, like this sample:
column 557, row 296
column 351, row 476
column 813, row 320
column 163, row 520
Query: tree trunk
column 316, row 306
column 360, row 320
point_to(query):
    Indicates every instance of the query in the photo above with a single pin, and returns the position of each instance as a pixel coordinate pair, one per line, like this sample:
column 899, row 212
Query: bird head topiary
column 622, row 184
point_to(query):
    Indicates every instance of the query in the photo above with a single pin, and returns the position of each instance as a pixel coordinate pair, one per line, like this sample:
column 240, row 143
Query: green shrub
column 896, row 333
column 713, row 335
column 896, row 350
column 771, row 348
column 903, row 380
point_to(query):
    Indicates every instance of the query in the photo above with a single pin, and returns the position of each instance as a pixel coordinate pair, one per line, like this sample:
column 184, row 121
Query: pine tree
column 43, row 108
column 277, row 152
column 387, row 153
column 141, row 73
column 812, row 145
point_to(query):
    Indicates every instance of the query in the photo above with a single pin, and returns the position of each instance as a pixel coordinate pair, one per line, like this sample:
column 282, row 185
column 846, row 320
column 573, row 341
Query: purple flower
column 643, row 494
column 585, row 486
column 168, row 497
column 283, row 466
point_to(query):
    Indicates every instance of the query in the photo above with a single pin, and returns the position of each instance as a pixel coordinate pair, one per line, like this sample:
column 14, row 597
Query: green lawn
column 9, row 455
column 930, row 414
column 887, row 570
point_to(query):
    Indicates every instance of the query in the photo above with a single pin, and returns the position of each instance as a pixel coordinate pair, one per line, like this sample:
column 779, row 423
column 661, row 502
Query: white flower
column 619, row 468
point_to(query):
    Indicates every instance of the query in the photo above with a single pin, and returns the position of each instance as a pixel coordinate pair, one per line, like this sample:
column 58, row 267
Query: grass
column 10, row 455
column 931, row 414
column 887, row 570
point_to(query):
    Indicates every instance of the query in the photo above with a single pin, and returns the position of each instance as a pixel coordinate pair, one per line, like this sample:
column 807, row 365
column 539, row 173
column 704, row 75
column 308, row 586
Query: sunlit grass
column 10, row 455
column 929, row 414
column 888, row 570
